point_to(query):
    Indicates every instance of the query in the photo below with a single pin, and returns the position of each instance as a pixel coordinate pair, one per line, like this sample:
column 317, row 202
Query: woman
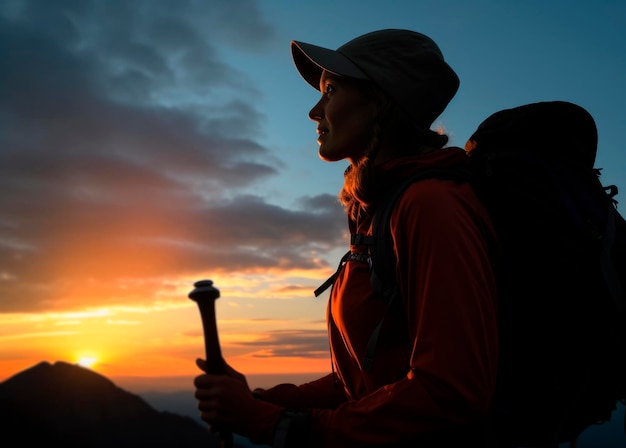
column 433, row 374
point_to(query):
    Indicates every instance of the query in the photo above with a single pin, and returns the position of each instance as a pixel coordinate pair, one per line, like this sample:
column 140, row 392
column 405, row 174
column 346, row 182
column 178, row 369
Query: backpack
column 561, row 277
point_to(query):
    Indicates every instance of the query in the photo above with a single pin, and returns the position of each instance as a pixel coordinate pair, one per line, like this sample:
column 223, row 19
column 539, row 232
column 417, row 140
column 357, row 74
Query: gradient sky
column 145, row 145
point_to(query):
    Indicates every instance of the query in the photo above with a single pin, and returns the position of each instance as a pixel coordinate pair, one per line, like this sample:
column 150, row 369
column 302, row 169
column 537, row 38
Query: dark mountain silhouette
column 76, row 407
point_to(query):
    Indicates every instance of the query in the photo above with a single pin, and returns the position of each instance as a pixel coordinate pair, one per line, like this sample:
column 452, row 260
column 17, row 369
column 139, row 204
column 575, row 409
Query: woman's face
column 345, row 119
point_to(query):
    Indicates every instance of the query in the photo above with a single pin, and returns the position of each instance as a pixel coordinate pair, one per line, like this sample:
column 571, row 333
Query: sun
column 87, row 361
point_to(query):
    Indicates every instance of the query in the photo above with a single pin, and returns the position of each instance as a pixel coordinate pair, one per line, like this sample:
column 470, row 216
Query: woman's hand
column 228, row 370
column 225, row 401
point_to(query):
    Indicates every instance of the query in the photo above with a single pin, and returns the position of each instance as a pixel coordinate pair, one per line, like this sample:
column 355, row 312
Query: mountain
column 76, row 407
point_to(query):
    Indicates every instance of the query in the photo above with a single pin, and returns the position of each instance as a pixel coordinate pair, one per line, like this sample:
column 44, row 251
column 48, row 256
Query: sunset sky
column 145, row 145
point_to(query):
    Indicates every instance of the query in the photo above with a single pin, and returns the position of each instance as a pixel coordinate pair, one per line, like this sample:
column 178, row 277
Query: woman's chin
column 328, row 155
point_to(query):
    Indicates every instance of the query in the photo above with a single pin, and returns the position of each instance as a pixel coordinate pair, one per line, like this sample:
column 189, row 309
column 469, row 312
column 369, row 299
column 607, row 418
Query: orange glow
column 161, row 336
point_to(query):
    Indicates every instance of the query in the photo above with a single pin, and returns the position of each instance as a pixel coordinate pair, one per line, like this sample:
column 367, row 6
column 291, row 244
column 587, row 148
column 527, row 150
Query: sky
column 146, row 145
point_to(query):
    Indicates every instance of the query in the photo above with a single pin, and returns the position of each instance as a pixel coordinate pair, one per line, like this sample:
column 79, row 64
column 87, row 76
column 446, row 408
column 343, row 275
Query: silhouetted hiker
column 427, row 377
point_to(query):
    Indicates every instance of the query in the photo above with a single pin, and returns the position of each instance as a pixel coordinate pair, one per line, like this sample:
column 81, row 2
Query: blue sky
column 147, row 144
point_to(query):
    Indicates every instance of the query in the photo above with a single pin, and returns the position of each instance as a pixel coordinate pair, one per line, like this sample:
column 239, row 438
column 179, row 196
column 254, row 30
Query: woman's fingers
column 202, row 364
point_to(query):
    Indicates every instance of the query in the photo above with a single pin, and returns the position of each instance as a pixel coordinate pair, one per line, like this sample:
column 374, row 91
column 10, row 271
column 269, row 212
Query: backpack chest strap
column 348, row 256
column 359, row 239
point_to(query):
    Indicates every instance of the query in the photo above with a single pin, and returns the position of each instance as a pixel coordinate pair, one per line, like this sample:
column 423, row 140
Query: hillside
column 76, row 407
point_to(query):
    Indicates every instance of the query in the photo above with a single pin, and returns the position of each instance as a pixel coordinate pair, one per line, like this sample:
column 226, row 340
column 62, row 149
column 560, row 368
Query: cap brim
column 311, row 60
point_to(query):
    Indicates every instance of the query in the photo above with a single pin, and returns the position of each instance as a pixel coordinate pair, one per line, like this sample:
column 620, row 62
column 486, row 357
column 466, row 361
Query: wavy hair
column 393, row 128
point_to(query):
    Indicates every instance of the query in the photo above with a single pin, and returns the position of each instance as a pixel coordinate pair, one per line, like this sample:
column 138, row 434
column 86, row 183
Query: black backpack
column 562, row 276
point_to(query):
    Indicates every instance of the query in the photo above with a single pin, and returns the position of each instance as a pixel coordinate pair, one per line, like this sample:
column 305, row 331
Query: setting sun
column 87, row 361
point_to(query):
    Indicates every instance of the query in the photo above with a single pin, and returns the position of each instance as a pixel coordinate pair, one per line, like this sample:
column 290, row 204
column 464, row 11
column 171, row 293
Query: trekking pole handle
column 205, row 295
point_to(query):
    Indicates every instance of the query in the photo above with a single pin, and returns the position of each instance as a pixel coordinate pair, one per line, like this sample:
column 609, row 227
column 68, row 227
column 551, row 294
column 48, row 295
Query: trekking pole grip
column 205, row 295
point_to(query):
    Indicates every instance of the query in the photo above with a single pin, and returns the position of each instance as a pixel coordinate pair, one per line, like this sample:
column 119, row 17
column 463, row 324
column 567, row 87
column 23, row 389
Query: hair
column 394, row 128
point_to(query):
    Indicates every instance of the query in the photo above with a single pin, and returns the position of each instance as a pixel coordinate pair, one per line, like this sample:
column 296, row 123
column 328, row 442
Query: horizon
column 176, row 383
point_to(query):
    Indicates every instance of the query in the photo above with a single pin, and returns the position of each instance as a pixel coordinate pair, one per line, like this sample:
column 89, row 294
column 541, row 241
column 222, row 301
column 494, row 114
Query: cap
column 406, row 65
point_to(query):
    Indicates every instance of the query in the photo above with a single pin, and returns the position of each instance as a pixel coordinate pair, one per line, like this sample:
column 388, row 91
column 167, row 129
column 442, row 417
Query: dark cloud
column 127, row 143
column 292, row 343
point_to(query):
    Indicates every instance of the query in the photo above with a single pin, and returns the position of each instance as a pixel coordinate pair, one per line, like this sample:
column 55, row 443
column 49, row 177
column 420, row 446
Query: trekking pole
column 205, row 295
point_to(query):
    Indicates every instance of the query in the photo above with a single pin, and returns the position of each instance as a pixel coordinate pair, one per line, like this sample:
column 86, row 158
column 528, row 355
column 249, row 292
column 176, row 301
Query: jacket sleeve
column 322, row 393
column 441, row 236
column 293, row 426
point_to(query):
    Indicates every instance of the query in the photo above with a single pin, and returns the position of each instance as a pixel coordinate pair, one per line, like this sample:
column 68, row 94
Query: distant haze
column 139, row 385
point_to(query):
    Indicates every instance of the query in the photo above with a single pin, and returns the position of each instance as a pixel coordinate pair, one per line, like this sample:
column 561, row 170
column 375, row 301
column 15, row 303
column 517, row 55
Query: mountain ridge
column 76, row 407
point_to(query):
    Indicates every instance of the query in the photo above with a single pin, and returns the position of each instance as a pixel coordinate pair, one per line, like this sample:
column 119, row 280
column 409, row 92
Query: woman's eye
column 329, row 89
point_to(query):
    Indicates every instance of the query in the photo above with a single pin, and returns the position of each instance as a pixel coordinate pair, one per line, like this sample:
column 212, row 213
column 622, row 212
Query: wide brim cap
column 408, row 66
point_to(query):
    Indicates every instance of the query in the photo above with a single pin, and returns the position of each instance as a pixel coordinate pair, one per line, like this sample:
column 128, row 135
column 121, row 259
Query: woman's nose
column 317, row 111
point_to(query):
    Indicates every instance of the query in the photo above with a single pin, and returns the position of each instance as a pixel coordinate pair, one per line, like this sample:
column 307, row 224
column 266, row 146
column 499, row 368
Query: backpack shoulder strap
column 382, row 255
column 608, row 268
column 381, row 246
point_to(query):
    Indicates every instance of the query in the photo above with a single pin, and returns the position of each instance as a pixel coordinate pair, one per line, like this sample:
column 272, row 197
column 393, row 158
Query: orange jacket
column 435, row 364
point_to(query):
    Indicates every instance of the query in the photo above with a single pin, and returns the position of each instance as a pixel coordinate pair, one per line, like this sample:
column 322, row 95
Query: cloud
column 292, row 343
column 128, row 149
